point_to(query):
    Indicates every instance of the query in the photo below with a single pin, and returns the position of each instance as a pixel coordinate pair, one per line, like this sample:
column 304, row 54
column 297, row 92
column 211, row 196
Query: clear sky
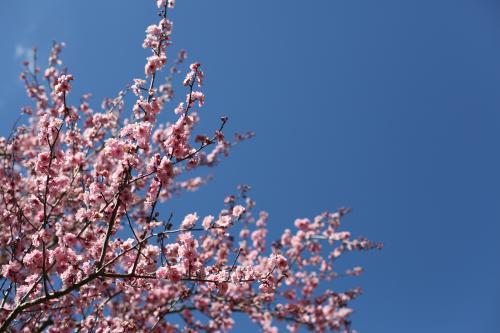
column 391, row 107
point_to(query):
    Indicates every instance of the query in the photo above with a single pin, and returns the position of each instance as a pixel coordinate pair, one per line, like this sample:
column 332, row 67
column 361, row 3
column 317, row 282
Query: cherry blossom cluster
column 85, row 248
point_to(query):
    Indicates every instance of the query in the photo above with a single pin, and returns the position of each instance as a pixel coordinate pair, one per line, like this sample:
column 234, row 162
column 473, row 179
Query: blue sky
column 391, row 107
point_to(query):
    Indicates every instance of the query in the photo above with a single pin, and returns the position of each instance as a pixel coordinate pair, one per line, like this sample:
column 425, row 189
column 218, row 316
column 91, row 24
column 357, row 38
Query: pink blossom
column 162, row 272
column 341, row 235
column 141, row 132
column 238, row 210
column 63, row 85
column 152, row 192
column 154, row 63
column 281, row 262
column 207, row 222
column 189, row 221
column 70, row 239
column 34, row 260
column 302, row 224
column 68, row 276
column 114, row 148
column 194, row 74
column 225, row 221
column 172, row 251
column 42, row 162
column 195, row 96
column 170, row 273
column 343, row 312
column 11, row 270
column 180, row 108
column 137, row 86
column 165, row 170
column 162, row 3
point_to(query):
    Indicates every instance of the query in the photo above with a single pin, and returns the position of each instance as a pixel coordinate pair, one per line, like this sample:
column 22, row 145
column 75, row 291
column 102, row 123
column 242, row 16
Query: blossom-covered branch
column 86, row 248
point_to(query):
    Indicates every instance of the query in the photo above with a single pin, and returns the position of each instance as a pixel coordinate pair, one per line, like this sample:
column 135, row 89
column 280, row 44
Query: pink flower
column 189, row 221
column 172, row 251
column 11, row 270
column 162, row 272
column 62, row 257
column 302, row 224
column 194, row 72
column 281, row 263
column 207, row 222
column 343, row 313
column 187, row 250
column 267, row 286
column 128, row 244
column 34, row 259
column 75, row 160
column 188, row 80
column 165, row 171
column 68, row 276
column 341, row 235
column 225, row 221
column 63, row 85
column 42, row 162
column 138, row 86
column 238, row 210
column 152, row 192
column 180, row 108
column 170, row 273
column 162, row 3
column 153, row 37
column 286, row 238
column 154, row 63
column 114, row 148
column 195, row 96
column 141, row 132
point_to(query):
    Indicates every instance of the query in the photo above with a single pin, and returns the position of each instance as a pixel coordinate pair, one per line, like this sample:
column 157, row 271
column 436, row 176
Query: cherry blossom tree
column 84, row 247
